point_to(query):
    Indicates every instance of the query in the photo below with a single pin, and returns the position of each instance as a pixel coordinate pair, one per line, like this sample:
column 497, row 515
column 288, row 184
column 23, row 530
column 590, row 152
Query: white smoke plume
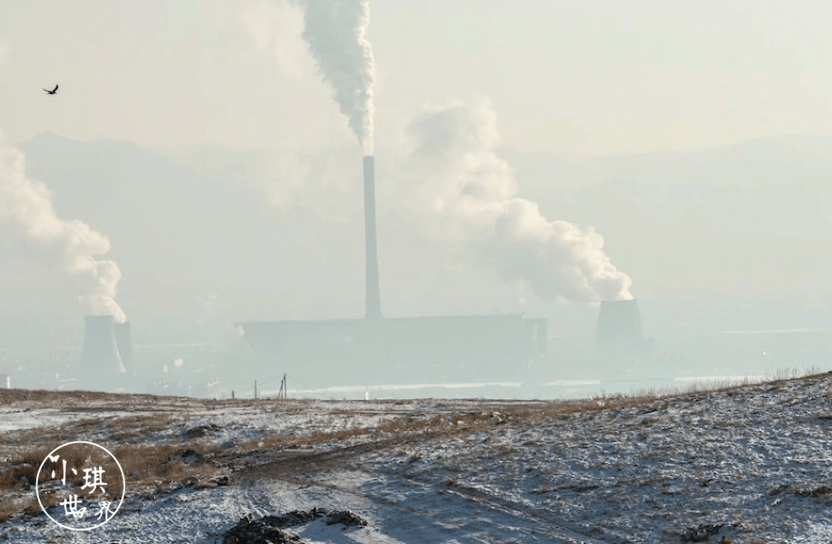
column 336, row 32
column 26, row 211
column 473, row 192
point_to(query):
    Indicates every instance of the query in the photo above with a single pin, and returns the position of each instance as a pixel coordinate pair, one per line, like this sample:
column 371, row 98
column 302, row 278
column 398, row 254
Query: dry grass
column 81, row 399
column 163, row 466
column 140, row 427
column 147, row 468
column 23, row 469
column 10, row 507
column 481, row 418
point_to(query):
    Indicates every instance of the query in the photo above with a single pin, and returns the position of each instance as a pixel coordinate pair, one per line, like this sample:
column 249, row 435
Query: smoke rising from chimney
column 26, row 210
column 336, row 32
column 473, row 191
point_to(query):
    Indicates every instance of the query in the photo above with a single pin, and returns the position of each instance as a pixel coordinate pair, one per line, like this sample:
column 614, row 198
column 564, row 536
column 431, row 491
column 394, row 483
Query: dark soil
column 268, row 529
column 249, row 531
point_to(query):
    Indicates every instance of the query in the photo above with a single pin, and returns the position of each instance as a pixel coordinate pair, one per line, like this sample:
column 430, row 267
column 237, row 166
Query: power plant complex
column 377, row 350
column 108, row 362
column 397, row 349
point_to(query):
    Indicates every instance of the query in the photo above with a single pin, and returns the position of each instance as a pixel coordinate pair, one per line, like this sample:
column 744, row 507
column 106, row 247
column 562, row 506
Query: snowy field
column 748, row 464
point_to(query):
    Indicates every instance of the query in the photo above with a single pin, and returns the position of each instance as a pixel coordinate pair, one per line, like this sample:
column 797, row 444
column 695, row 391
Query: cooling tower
column 372, row 298
column 125, row 345
column 100, row 360
column 619, row 321
column 619, row 339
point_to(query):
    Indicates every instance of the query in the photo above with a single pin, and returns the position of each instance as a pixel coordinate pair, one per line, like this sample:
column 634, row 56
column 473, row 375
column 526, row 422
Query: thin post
column 255, row 389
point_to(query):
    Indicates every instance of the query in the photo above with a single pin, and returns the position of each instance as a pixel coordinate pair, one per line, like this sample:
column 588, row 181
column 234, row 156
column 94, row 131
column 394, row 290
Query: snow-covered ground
column 755, row 460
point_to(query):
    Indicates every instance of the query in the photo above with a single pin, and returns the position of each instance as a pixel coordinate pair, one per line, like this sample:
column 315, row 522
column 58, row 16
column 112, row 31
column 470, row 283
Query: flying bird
column 53, row 91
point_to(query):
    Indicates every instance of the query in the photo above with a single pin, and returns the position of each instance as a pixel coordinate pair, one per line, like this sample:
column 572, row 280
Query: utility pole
column 255, row 389
column 283, row 393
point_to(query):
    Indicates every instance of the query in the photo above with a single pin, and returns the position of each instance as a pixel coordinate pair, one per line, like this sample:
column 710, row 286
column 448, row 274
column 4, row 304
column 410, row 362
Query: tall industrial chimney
column 100, row 360
column 125, row 346
column 372, row 298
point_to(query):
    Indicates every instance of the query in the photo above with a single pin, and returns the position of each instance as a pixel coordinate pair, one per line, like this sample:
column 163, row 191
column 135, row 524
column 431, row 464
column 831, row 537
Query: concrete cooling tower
column 620, row 345
column 125, row 346
column 618, row 322
column 101, row 364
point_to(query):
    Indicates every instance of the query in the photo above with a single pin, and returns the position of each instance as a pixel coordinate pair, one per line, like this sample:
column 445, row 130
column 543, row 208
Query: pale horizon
column 473, row 110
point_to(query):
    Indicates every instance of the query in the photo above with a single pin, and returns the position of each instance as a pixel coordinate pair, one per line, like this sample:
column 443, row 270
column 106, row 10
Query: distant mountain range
column 205, row 232
column 189, row 235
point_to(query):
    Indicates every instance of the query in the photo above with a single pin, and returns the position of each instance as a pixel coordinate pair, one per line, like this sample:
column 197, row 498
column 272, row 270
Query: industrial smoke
column 26, row 211
column 336, row 33
column 473, row 193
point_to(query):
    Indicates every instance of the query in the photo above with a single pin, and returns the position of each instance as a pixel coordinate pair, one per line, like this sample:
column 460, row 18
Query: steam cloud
column 473, row 191
column 26, row 210
column 336, row 32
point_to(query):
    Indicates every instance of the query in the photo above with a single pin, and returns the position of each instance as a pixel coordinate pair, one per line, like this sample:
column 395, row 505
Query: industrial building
column 400, row 350
column 378, row 349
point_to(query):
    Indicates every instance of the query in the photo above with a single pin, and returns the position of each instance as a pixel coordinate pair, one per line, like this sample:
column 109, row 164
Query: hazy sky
column 591, row 77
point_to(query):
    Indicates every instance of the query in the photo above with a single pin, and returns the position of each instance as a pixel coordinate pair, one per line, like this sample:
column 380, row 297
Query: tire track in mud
column 296, row 467
column 533, row 526
column 516, row 509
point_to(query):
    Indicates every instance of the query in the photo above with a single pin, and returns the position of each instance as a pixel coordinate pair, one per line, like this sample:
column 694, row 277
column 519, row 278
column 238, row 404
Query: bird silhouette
column 53, row 91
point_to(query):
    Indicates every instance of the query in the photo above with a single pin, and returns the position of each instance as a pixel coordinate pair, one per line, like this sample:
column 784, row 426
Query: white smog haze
column 584, row 77
column 594, row 79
